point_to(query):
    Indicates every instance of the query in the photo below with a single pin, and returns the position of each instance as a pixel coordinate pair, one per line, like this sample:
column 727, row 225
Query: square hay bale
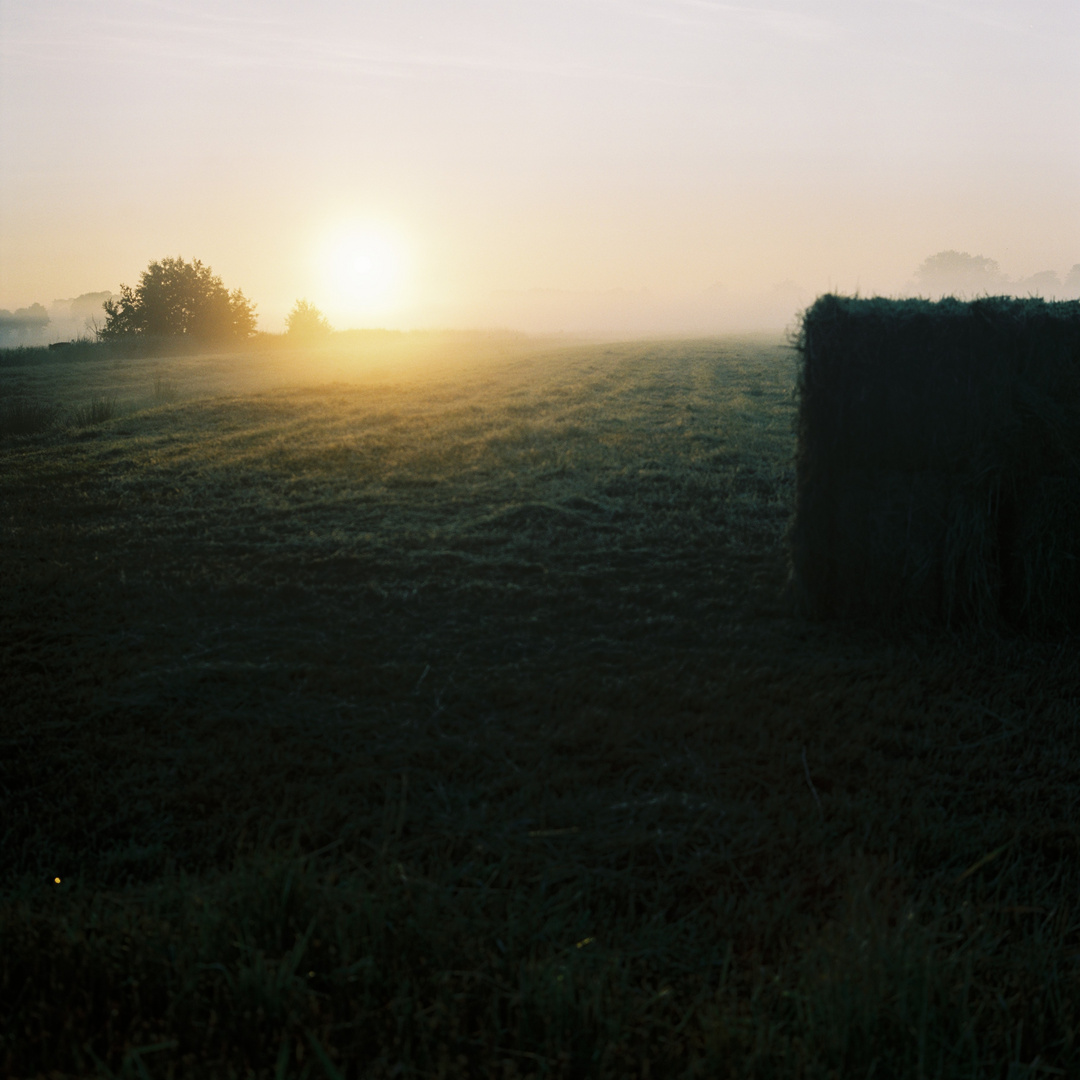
column 938, row 460
column 888, row 536
column 1041, row 554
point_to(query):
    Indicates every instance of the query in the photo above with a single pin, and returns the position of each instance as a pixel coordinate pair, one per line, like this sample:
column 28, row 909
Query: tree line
column 175, row 298
column 956, row 273
column 182, row 299
column 179, row 299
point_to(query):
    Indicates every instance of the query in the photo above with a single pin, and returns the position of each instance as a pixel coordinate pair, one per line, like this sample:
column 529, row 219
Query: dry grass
column 435, row 713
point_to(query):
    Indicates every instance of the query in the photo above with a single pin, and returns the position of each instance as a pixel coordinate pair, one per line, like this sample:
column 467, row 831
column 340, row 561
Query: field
column 428, row 706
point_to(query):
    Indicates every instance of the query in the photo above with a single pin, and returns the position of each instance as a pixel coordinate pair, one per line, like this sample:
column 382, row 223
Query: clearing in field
column 428, row 706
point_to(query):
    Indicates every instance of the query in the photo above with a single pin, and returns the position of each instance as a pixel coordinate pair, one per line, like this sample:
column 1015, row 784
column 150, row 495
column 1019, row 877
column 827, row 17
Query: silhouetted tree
column 306, row 321
column 960, row 274
column 179, row 299
column 1072, row 281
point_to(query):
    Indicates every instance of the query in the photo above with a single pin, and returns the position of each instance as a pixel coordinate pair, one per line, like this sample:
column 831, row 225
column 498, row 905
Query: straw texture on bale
column 938, row 460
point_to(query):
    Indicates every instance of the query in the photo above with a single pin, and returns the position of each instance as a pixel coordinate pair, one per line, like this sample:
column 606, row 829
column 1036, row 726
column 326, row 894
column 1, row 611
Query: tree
column 1072, row 281
column 958, row 273
column 179, row 299
column 1044, row 283
column 23, row 325
column 306, row 321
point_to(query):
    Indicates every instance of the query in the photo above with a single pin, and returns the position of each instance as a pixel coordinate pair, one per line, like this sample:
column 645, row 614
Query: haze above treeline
column 716, row 310
column 610, row 166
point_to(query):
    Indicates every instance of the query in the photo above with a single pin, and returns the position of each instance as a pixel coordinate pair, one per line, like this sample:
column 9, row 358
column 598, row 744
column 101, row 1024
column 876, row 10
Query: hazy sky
column 433, row 162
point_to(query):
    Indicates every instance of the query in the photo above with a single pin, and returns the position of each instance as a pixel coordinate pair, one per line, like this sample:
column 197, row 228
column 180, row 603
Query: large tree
column 960, row 274
column 179, row 299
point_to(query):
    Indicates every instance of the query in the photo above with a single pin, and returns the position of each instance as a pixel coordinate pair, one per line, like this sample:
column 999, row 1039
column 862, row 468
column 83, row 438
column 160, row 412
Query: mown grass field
column 428, row 707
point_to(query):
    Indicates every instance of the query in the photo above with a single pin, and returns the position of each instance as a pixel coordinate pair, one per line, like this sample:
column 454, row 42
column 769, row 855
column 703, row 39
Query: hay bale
column 1041, row 556
column 938, row 460
column 891, row 518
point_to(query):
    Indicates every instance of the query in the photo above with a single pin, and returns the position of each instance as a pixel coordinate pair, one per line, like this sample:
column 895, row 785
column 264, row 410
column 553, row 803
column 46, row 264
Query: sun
column 362, row 271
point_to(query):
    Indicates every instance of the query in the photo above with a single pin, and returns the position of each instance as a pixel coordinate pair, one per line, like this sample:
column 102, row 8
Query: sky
column 608, row 165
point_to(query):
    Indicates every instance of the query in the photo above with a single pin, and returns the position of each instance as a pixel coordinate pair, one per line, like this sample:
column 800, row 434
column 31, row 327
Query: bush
column 307, row 321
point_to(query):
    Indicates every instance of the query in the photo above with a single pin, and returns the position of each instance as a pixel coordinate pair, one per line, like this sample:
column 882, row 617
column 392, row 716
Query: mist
column 663, row 167
column 61, row 320
column 615, row 313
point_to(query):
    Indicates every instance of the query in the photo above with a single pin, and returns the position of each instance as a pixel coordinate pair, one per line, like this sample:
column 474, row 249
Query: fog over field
column 622, row 168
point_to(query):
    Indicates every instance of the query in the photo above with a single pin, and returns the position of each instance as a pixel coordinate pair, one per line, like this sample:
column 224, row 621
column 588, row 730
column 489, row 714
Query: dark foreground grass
column 445, row 721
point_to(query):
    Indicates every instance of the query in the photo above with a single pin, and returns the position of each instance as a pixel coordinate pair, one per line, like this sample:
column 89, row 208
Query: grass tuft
column 166, row 390
column 99, row 410
column 22, row 417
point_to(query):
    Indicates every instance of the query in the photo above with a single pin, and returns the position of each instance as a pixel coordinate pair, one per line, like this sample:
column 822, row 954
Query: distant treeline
column 184, row 307
column 92, row 348
column 956, row 273
column 86, row 348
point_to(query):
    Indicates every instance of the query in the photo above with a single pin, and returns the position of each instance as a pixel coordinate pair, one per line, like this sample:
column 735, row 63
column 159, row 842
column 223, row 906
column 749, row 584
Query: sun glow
column 362, row 275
